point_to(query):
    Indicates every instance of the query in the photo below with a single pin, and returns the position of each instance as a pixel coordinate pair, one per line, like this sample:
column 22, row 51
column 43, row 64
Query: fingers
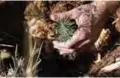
column 58, row 44
column 65, row 51
column 79, row 36
column 61, row 47
column 67, row 47
column 72, row 14
column 84, row 43
column 85, row 20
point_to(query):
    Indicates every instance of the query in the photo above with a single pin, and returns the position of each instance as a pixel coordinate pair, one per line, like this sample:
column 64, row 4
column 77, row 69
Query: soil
column 53, row 65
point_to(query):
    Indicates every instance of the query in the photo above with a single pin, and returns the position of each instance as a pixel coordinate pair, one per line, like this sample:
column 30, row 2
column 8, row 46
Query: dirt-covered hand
column 90, row 19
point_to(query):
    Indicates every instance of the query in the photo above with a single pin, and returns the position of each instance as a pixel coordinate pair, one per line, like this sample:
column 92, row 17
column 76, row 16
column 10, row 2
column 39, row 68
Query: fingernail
column 60, row 52
column 54, row 42
column 52, row 17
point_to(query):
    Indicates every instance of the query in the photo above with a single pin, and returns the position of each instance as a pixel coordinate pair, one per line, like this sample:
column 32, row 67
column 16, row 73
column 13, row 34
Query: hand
column 87, row 17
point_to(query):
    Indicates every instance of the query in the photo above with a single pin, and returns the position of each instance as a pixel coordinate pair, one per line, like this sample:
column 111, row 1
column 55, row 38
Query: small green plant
column 64, row 29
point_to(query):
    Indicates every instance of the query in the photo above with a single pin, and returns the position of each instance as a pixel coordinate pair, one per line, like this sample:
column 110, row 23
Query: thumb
column 72, row 14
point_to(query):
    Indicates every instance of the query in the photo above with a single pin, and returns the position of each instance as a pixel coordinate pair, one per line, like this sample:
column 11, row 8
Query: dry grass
column 20, row 67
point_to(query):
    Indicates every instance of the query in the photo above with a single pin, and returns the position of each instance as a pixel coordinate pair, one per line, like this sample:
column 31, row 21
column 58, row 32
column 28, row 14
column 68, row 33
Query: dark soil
column 53, row 65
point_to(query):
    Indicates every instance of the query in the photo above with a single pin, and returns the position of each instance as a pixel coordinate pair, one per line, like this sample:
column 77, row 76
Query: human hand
column 90, row 19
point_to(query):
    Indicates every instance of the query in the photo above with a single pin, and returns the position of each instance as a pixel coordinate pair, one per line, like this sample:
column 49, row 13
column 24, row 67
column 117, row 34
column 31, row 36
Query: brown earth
column 12, row 32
